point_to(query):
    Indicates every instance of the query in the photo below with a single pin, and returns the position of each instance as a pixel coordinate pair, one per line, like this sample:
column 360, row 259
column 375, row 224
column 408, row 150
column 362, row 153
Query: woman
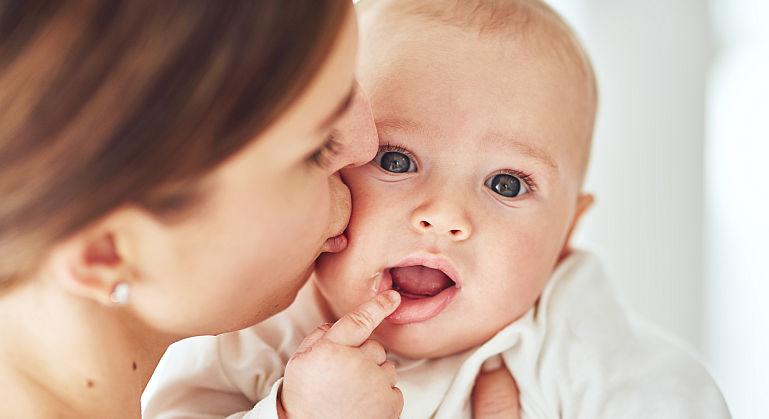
column 167, row 169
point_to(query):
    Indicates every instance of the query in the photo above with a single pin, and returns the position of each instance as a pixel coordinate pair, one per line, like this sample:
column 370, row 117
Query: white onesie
column 578, row 353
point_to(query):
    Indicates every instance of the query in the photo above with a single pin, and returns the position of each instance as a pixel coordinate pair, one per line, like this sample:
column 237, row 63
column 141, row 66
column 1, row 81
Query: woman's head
column 174, row 146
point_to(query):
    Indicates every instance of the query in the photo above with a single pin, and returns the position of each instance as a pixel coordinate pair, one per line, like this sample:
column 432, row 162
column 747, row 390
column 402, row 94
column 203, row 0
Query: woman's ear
column 91, row 265
column 584, row 203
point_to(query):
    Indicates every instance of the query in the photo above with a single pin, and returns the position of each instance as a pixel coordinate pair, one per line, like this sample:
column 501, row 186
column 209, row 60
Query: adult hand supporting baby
column 337, row 372
column 495, row 394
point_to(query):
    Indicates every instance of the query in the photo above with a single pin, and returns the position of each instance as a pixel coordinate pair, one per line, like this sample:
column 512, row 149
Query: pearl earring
column 120, row 293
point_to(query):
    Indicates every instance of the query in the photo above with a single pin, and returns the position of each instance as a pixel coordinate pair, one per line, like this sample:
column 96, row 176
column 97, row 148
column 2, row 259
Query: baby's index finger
column 355, row 327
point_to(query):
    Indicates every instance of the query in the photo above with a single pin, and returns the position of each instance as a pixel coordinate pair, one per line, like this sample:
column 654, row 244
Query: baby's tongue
column 420, row 280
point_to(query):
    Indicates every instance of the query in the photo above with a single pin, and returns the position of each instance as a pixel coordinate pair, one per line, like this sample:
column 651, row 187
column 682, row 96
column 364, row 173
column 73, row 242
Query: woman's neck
column 63, row 354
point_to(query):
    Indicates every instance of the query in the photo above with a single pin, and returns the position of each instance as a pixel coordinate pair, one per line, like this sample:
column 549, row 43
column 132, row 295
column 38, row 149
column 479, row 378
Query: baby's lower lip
column 415, row 310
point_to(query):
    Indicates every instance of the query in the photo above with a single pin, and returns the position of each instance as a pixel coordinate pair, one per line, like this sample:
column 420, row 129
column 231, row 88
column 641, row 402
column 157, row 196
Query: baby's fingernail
column 392, row 297
column 492, row 364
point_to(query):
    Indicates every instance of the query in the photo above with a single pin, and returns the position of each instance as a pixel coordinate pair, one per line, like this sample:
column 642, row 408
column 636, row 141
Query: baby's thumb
column 356, row 327
column 495, row 394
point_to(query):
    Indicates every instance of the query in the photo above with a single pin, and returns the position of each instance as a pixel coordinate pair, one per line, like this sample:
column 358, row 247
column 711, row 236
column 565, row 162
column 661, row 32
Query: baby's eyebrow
column 398, row 124
column 501, row 141
column 527, row 149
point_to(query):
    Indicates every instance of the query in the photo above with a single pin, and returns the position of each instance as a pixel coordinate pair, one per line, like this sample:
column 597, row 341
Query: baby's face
column 470, row 201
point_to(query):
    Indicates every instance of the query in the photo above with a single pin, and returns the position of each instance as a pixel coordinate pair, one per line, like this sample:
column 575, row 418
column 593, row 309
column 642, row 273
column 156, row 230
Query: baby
column 485, row 112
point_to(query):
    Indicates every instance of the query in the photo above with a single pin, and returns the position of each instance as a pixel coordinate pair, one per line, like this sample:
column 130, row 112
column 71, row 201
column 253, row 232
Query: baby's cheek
column 366, row 198
column 520, row 263
column 533, row 243
column 340, row 280
column 372, row 220
column 356, row 179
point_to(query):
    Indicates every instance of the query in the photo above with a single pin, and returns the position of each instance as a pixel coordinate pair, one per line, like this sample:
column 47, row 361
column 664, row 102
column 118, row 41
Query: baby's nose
column 442, row 219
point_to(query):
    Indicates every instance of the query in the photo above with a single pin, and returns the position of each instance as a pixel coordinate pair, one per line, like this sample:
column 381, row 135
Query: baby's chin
column 424, row 342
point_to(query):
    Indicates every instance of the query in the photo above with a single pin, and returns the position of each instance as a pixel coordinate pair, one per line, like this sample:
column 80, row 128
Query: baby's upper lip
column 433, row 261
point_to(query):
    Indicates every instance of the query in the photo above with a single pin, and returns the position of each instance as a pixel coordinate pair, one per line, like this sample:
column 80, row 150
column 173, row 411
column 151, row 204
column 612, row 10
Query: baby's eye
column 507, row 185
column 394, row 161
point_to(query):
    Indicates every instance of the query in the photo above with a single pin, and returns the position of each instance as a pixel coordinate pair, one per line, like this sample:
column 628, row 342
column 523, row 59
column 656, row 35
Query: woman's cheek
column 314, row 203
column 366, row 192
column 366, row 213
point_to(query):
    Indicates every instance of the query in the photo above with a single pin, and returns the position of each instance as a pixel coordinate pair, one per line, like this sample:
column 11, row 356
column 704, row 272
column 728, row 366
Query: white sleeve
column 235, row 375
column 267, row 408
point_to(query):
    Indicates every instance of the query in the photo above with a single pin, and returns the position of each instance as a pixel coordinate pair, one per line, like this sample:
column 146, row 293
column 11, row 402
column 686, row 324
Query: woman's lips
column 334, row 244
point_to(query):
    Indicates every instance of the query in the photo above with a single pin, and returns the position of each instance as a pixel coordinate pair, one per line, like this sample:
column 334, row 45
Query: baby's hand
column 338, row 373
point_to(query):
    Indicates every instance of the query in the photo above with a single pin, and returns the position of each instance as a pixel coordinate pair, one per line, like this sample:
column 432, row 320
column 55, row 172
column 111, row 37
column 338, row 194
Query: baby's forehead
column 490, row 20
column 525, row 27
column 456, row 62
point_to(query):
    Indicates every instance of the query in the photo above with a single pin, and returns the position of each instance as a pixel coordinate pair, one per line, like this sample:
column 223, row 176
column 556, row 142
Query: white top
column 577, row 354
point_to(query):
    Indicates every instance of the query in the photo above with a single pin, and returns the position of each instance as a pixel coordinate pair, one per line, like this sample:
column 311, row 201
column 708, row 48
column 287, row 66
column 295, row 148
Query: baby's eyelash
column 399, row 149
column 383, row 148
column 393, row 147
column 324, row 155
column 527, row 178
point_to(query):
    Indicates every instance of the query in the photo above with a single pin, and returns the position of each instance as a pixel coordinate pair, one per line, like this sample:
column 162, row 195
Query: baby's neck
column 69, row 357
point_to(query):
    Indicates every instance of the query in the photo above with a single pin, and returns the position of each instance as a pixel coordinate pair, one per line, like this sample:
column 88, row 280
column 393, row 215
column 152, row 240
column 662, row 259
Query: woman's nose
column 357, row 133
column 442, row 219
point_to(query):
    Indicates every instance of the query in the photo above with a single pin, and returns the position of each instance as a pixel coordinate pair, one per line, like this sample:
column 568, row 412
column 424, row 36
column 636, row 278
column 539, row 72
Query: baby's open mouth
column 424, row 291
column 419, row 281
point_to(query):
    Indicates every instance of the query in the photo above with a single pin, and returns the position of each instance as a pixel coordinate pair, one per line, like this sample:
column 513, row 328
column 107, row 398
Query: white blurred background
column 681, row 175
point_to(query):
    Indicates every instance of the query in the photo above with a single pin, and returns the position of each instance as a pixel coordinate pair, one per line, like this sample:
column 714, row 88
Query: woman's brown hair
column 106, row 103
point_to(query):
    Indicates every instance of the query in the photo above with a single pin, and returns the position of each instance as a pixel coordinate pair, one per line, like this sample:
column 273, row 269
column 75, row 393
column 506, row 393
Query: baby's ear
column 584, row 203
